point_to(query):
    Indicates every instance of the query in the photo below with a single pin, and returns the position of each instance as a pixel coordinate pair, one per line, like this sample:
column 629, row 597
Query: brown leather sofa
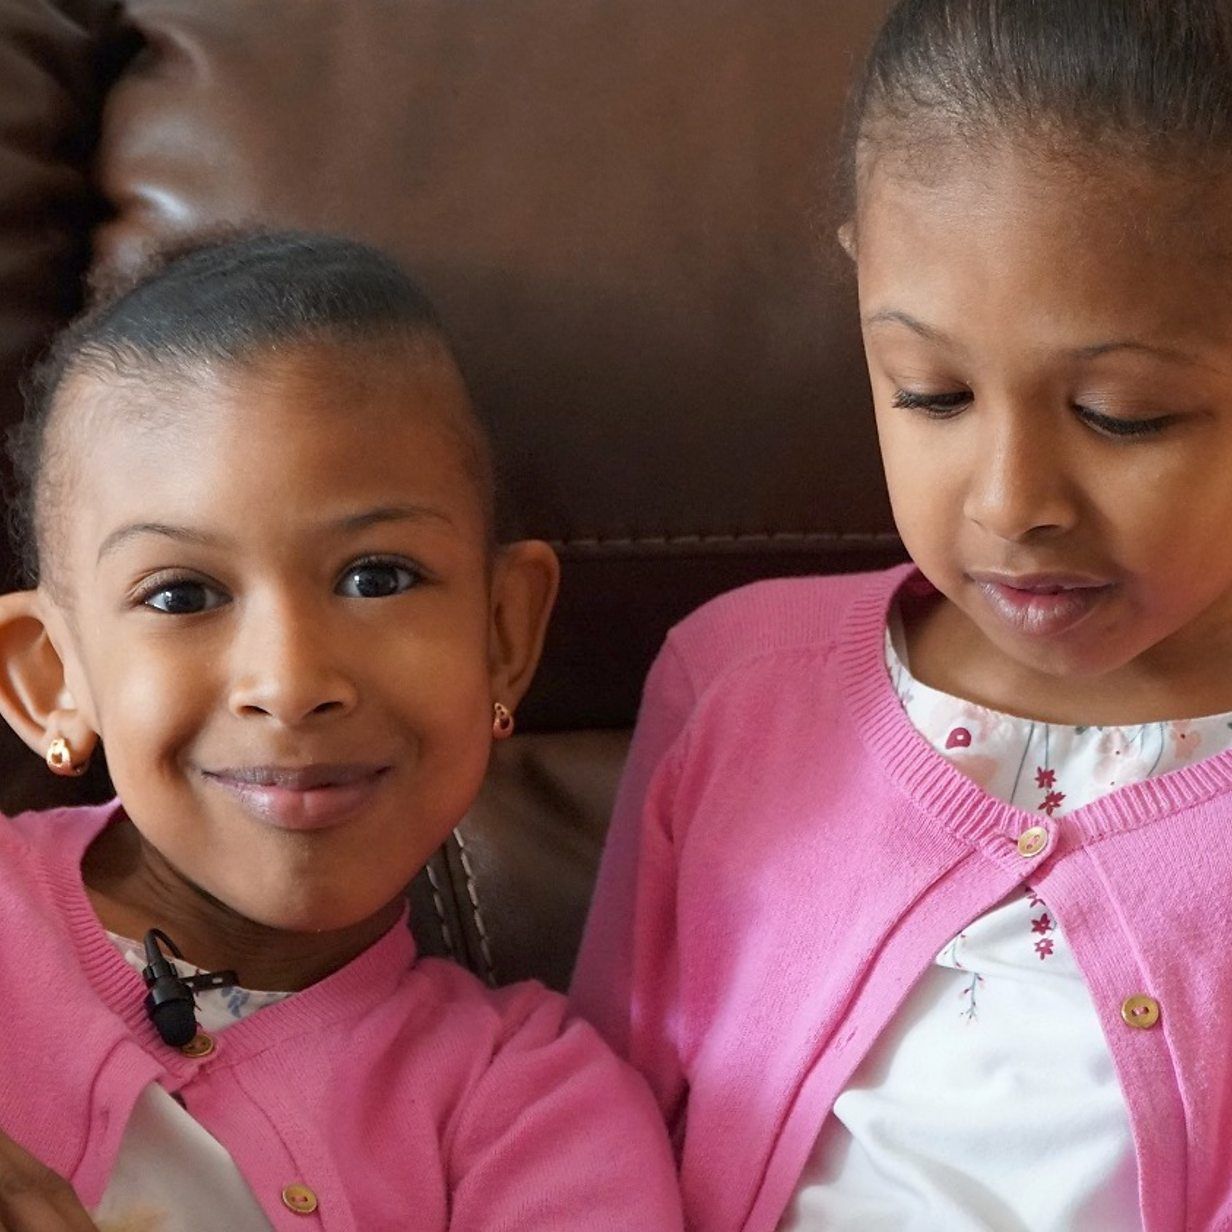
column 624, row 210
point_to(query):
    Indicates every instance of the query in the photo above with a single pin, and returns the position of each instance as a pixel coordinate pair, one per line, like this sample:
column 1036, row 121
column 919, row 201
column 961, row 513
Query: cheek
column 428, row 675
column 1167, row 519
column 924, row 494
column 144, row 708
column 437, row 649
column 911, row 447
column 441, row 690
column 439, row 706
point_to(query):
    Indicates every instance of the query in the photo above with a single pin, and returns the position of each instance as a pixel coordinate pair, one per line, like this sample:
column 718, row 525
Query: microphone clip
column 169, row 1002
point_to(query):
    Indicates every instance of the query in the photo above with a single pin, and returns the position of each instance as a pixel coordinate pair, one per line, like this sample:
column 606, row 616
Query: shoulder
column 57, row 836
column 522, row 1038
column 517, row 1015
column 524, row 1041
column 772, row 620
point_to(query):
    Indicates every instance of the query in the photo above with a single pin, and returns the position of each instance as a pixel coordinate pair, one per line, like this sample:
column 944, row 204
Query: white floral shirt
column 169, row 1169
column 991, row 1101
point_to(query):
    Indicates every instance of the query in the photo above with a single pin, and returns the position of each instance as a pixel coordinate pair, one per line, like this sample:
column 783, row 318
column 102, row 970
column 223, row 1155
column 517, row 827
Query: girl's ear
column 525, row 578
column 34, row 696
column 847, row 238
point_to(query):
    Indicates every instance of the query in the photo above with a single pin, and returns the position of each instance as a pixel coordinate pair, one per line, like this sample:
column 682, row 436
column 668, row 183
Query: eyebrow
column 892, row 316
column 198, row 538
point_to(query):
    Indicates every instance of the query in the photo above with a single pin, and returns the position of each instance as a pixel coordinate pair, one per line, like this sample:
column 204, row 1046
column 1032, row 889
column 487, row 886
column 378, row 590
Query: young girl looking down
column 260, row 519
column 918, row 895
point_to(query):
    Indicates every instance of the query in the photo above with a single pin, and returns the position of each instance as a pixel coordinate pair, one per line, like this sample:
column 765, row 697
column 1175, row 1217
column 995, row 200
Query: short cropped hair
column 221, row 300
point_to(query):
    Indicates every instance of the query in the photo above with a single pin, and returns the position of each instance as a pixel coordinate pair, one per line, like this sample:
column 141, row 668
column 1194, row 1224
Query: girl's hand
column 35, row 1199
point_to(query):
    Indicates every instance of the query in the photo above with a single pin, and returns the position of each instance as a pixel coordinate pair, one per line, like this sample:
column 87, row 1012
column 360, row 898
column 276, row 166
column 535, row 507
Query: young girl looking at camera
column 260, row 519
column 918, row 897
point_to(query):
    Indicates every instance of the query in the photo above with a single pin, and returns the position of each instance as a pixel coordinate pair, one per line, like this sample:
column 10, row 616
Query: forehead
column 272, row 443
column 1057, row 246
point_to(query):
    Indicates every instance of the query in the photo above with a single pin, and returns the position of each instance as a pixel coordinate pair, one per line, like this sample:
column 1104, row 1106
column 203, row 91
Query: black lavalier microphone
column 169, row 1003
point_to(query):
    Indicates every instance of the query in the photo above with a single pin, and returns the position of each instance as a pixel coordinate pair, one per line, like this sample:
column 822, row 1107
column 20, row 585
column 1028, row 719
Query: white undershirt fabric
column 991, row 1102
column 171, row 1175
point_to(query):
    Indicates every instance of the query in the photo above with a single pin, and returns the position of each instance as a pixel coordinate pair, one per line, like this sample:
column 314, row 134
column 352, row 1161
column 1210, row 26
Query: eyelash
column 944, row 406
column 935, row 406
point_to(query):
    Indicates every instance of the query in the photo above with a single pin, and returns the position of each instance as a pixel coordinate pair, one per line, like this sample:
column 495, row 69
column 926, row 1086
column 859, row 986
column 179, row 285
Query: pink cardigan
column 788, row 855
column 403, row 1093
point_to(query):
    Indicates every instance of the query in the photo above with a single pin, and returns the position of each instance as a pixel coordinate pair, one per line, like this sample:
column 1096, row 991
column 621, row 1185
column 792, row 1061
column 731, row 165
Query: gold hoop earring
column 502, row 721
column 60, row 759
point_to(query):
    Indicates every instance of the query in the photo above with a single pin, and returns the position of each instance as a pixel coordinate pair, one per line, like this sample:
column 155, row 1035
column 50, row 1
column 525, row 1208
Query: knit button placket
column 199, row 1047
column 1033, row 843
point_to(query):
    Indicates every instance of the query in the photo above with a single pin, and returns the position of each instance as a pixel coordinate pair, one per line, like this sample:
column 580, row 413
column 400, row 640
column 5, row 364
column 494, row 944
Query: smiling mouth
column 300, row 778
column 311, row 797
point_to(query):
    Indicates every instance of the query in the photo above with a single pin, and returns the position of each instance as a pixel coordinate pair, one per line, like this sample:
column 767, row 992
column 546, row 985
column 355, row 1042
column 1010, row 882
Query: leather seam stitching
column 472, row 893
column 438, row 902
column 699, row 540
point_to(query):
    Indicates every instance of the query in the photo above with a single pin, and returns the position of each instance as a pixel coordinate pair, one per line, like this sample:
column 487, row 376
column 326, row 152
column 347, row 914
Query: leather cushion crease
column 623, row 210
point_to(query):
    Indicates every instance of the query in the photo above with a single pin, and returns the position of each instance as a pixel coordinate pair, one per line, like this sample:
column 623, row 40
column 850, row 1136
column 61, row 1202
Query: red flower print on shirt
column 968, row 994
column 1045, row 778
column 1043, row 924
column 1044, row 947
column 1052, row 801
column 1035, row 900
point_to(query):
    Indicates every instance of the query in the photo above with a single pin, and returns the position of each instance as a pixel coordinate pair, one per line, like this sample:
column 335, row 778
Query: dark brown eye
column 376, row 580
column 183, row 598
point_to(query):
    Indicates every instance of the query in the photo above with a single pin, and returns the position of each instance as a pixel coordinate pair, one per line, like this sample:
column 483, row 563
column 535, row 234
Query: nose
column 287, row 667
column 1019, row 488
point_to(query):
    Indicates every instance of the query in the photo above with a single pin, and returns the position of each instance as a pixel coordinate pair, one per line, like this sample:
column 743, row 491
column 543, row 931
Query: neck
column 133, row 889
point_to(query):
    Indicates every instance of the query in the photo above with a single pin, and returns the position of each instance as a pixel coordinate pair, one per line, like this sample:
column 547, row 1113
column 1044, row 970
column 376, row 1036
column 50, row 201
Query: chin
column 1068, row 662
column 301, row 911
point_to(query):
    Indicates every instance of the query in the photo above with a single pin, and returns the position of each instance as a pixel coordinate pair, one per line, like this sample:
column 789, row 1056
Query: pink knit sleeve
column 559, row 1133
column 625, row 981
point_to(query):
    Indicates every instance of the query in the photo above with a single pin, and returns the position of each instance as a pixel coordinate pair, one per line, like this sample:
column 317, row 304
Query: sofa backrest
column 623, row 209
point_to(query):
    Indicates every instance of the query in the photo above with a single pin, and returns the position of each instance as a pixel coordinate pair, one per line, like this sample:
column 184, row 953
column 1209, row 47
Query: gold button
column 1031, row 842
column 1141, row 1012
column 201, row 1045
column 300, row 1199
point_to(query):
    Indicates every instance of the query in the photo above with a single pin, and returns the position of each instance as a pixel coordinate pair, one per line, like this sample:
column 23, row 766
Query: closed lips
column 1040, row 583
column 314, row 797
column 299, row 778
